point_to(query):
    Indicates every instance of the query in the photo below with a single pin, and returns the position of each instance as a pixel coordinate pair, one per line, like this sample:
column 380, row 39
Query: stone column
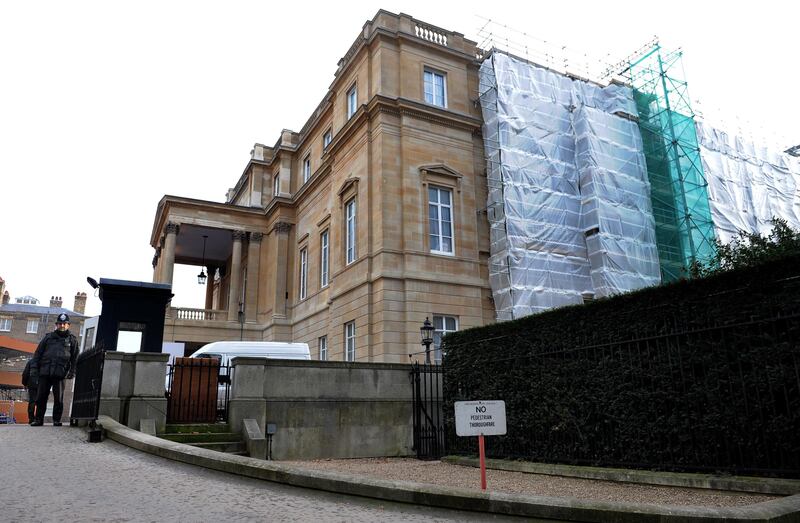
column 234, row 292
column 282, row 256
column 155, row 264
column 253, row 264
column 169, row 252
column 210, row 287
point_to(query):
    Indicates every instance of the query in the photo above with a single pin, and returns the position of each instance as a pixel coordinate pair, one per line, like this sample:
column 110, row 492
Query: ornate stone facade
column 353, row 212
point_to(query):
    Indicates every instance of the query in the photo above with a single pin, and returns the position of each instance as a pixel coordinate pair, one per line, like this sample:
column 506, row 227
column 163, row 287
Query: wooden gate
column 192, row 390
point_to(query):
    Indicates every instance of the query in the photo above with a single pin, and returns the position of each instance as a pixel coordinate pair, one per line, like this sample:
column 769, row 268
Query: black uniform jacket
column 28, row 380
column 55, row 356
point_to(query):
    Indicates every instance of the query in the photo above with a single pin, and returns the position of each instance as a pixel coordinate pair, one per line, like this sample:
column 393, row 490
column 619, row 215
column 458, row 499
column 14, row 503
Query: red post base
column 483, row 461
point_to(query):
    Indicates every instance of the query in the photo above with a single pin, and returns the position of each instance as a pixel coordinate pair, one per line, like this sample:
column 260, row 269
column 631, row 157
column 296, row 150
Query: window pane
column 433, row 195
column 446, row 214
column 434, row 227
column 428, row 85
column 447, row 229
column 447, row 245
column 433, row 211
column 437, row 322
column 450, row 322
column 444, row 197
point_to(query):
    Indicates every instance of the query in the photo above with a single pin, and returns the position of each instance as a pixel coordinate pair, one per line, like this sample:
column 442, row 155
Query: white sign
column 474, row 418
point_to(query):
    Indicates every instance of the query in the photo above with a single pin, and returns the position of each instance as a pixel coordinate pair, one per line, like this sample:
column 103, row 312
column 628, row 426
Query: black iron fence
column 697, row 376
column 429, row 429
column 88, row 380
column 198, row 390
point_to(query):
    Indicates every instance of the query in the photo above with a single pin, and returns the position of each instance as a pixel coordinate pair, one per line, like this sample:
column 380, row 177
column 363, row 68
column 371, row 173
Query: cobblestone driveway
column 54, row 474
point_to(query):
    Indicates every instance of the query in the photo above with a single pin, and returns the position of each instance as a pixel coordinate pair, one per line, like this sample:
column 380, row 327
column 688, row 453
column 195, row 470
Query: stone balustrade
column 184, row 313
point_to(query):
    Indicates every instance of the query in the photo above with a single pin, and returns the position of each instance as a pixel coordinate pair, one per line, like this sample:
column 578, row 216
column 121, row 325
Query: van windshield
column 217, row 356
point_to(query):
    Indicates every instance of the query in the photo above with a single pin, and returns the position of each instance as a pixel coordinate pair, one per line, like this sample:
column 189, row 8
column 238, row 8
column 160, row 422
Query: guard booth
column 132, row 307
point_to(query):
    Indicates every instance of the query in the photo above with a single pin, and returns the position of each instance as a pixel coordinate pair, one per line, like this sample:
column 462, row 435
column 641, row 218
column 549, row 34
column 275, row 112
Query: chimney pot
column 80, row 303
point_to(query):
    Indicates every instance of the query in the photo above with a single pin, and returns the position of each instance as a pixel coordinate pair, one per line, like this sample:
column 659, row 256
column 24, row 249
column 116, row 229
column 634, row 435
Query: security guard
column 53, row 361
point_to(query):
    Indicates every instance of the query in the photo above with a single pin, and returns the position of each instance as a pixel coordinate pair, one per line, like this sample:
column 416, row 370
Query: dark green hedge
column 695, row 375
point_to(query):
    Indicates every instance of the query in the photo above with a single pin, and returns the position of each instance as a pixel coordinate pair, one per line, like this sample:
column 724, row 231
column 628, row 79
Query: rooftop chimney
column 55, row 302
column 80, row 303
column 6, row 298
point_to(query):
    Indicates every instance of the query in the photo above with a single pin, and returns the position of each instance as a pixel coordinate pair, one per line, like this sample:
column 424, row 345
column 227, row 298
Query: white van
column 227, row 350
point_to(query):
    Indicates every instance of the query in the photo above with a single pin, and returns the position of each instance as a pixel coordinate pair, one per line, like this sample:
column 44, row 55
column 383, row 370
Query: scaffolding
column 684, row 226
column 568, row 203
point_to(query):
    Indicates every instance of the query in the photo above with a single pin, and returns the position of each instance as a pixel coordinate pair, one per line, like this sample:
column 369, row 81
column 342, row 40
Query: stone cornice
column 377, row 105
column 405, row 106
column 168, row 202
column 278, row 202
column 316, row 178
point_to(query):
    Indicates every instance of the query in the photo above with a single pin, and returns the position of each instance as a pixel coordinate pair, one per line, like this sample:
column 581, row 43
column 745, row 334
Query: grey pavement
column 54, row 474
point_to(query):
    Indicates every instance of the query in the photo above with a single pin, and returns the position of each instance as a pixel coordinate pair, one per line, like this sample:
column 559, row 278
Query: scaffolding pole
column 684, row 227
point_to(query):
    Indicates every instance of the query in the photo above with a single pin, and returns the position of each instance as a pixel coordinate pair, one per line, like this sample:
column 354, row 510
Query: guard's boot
column 37, row 423
column 56, row 423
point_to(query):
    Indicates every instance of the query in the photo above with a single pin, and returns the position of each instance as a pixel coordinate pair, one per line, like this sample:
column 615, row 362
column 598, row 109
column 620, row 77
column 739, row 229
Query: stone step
column 202, row 437
column 230, row 447
column 175, row 428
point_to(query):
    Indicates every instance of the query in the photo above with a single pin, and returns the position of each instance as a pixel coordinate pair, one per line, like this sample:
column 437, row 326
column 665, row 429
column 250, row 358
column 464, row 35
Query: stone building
column 26, row 320
column 348, row 234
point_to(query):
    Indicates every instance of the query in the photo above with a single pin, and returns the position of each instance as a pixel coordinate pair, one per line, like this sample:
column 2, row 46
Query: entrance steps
column 211, row 436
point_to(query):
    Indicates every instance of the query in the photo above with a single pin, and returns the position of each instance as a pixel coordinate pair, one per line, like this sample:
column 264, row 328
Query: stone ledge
column 775, row 486
column 571, row 509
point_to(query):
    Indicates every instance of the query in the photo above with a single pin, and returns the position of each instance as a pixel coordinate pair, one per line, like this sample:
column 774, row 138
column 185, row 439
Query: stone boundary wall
column 324, row 409
column 133, row 388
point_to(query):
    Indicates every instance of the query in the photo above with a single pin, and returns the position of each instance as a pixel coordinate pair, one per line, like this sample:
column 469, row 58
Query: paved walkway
column 449, row 475
column 53, row 474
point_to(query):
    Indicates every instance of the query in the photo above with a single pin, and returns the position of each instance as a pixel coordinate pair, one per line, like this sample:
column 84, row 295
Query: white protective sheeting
column 569, row 201
column 748, row 184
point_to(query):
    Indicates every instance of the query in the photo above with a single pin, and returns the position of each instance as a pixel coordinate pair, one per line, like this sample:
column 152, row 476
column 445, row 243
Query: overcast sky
column 107, row 106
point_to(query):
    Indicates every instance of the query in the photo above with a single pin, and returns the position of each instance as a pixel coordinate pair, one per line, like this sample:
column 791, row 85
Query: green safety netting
column 684, row 227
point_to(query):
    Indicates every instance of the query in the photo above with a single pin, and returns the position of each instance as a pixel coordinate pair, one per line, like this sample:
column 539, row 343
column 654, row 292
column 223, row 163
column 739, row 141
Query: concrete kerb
column 775, row 486
column 781, row 510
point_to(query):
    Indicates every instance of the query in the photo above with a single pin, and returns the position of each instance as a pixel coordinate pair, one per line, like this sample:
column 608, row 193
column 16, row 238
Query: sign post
column 481, row 418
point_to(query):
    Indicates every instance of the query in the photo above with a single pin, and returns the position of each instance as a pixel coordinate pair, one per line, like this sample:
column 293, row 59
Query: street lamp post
column 426, row 332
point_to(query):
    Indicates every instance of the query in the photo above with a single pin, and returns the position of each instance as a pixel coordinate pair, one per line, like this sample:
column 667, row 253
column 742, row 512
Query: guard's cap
column 62, row 318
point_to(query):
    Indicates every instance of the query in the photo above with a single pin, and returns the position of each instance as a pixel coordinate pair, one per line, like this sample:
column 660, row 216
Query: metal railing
column 429, row 428
column 88, row 381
